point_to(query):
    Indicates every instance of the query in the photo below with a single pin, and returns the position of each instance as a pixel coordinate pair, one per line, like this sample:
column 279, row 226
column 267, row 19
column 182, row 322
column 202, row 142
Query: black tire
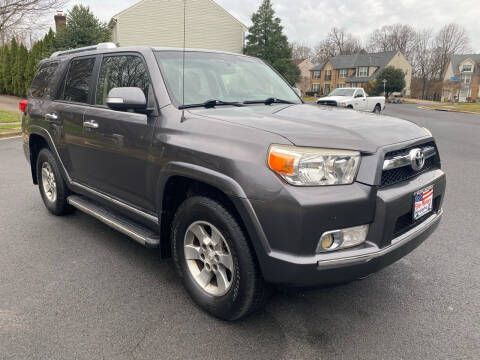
column 377, row 109
column 350, row 107
column 59, row 205
column 248, row 292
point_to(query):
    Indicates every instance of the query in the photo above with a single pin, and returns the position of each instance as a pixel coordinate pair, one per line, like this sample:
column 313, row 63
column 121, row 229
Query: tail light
column 23, row 105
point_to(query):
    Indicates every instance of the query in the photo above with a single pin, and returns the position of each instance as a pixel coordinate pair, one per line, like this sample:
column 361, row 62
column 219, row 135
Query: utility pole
column 384, row 83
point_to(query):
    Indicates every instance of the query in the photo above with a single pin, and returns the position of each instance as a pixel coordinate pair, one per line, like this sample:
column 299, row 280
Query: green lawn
column 9, row 117
column 7, row 128
column 470, row 107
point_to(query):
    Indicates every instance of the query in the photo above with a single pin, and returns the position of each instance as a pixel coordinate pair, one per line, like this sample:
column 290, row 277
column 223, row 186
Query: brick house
column 461, row 79
column 305, row 81
column 357, row 70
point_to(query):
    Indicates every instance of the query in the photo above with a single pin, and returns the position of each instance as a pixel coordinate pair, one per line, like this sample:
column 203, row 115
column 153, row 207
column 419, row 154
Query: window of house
column 363, row 71
column 341, row 85
column 317, row 74
column 466, row 78
column 466, row 68
column 121, row 71
column 343, row 73
column 327, row 89
column 316, row 88
column 328, row 74
column 77, row 82
column 40, row 85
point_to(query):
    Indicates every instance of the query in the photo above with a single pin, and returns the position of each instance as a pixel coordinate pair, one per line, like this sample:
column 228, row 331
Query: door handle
column 90, row 124
column 51, row 117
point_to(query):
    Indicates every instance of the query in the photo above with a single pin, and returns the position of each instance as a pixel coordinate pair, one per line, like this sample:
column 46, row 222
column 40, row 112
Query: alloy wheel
column 48, row 182
column 208, row 258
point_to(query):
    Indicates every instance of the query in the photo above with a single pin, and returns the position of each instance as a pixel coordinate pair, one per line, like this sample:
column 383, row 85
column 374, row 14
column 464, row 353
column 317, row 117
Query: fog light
column 327, row 241
column 342, row 239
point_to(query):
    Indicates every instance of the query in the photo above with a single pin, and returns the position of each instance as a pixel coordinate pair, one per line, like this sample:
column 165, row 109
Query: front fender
column 226, row 185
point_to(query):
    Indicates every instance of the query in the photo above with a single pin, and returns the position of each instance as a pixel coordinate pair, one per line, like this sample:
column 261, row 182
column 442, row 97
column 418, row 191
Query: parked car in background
column 232, row 175
column 353, row 98
column 395, row 100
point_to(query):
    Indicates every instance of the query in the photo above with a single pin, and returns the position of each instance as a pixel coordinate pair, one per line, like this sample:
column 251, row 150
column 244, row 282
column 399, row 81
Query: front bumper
column 386, row 241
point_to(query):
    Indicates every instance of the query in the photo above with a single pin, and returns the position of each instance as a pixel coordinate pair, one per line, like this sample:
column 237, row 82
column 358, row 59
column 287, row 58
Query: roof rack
column 105, row 45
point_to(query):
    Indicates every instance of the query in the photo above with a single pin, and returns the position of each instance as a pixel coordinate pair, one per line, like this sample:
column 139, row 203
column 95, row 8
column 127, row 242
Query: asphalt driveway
column 72, row 288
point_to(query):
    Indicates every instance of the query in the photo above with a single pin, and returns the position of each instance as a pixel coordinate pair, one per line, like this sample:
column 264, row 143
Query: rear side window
column 41, row 85
column 76, row 86
column 121, row 71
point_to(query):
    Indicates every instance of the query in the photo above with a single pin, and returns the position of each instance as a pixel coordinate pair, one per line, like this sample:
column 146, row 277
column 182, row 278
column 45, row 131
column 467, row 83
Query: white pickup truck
column 353, row 98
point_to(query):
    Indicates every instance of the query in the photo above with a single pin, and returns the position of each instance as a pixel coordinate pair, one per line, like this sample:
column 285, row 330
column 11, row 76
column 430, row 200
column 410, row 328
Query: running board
column 139, row 233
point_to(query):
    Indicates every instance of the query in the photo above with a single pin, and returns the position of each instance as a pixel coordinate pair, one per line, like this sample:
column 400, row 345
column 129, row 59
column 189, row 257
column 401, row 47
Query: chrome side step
column 141, row 234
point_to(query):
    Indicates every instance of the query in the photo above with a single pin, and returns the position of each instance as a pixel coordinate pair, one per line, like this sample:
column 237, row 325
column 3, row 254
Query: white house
column 161, row 23
column 461, row 81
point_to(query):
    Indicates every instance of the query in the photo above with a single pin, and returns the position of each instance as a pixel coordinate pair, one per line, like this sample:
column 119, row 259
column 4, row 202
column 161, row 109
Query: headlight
column 343, row 104
column 427, row 131
column 312, row 166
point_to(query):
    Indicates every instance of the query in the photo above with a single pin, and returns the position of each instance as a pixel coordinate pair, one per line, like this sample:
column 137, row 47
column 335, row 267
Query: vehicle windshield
column 221, row 77
column 342, row 92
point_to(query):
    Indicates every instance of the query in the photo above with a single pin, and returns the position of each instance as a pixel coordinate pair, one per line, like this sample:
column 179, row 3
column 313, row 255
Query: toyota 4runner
column 214, row 159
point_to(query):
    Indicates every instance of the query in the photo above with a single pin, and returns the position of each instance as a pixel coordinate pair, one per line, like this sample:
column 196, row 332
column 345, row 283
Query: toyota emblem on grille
column 417, row 159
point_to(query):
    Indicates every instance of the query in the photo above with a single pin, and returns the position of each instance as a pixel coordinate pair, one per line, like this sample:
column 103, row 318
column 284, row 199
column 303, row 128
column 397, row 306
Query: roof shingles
column 379, row 60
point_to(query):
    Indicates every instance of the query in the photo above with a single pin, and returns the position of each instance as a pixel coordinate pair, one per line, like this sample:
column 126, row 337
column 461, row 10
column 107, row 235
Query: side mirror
column 359, row 95
column 126, row 98
column 298, row 92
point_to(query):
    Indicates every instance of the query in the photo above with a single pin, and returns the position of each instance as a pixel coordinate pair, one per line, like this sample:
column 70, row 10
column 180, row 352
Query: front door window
column 121, row 71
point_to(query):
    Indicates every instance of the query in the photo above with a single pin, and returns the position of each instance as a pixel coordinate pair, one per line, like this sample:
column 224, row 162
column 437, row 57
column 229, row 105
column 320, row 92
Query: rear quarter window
column 42, row 86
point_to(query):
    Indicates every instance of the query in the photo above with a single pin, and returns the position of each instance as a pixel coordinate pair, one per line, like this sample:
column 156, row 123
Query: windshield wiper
column 269, row 101
column 211, row 104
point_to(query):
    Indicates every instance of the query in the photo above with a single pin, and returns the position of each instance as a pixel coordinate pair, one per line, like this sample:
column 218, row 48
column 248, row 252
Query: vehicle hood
column 316, row 126
column 336, row 98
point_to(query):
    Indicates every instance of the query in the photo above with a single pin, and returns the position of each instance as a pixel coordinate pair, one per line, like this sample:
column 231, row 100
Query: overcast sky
column 308, row 21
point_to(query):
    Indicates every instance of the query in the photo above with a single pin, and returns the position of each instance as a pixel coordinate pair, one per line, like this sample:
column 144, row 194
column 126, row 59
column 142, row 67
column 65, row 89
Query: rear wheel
column 377, row 109
column 214, row 259
column 51, row 184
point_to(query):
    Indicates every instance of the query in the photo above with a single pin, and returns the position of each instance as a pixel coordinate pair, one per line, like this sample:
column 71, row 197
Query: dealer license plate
column 422, row 202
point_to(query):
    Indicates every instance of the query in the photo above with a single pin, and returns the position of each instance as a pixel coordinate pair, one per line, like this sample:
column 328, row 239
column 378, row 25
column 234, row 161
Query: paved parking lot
column 72, row 288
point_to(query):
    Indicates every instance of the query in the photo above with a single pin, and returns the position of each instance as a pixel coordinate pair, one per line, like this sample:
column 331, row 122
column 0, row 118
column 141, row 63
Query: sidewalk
column 10, row 103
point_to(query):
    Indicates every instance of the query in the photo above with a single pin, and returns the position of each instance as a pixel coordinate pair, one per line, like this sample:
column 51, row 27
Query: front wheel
column 215, row 260
column 377, row 109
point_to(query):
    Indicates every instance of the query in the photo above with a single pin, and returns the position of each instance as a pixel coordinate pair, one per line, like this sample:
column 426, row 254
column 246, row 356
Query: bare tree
column 344, row 43
column 425, row 60
column 397, row 37
column 19, row 17
column 300, row 51
column 322, row 51
column 337, row 42
column 451, row 39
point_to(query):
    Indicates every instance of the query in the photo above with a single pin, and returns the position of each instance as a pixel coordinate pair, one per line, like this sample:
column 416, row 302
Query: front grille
column 327, row 102
column 405, row 222
column 393, row 176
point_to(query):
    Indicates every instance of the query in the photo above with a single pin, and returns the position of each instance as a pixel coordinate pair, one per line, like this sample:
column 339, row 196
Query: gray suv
column 214, row 159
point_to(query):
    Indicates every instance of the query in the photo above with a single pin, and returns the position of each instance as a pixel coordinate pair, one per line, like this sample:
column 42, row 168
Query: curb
column 449, row 110
column 10, row 134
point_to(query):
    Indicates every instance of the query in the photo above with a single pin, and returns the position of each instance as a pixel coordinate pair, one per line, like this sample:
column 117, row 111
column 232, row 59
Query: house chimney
column 60, row 21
